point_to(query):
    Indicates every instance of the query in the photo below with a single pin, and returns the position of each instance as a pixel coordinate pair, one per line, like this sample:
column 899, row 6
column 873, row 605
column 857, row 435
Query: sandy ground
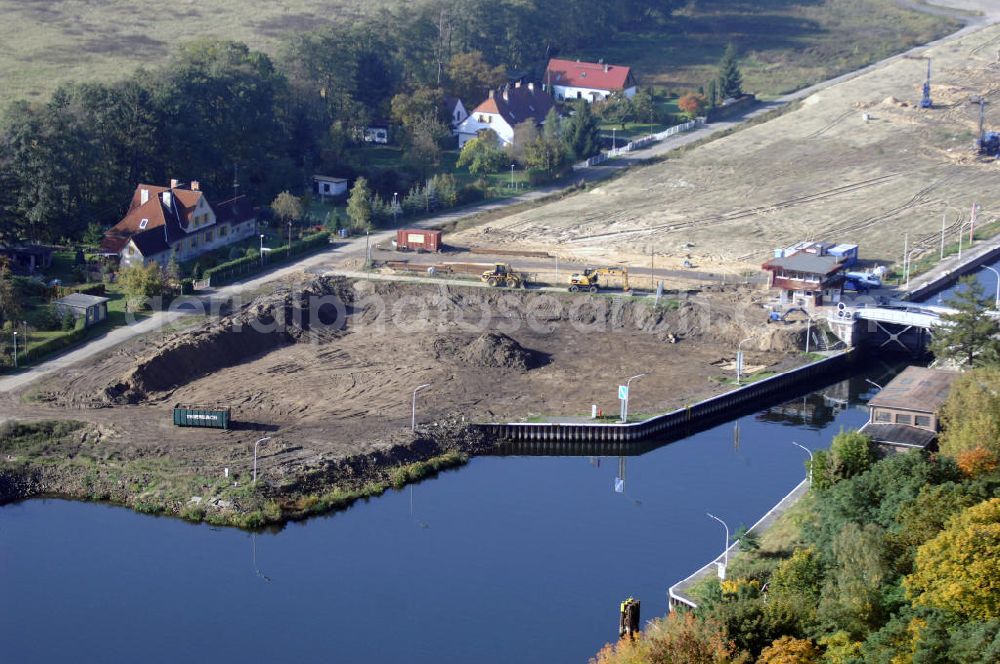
column 348, row 393
column 820, row 172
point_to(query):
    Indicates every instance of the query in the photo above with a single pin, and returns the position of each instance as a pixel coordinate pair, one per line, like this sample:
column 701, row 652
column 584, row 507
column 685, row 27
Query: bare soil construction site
column 858, row 161
column 326, row 369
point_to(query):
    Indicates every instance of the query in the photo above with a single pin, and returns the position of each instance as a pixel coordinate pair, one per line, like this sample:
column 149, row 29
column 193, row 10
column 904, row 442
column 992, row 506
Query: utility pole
column 15, row 350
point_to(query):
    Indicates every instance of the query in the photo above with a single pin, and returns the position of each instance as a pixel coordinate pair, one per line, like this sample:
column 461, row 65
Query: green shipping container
column 201, row 416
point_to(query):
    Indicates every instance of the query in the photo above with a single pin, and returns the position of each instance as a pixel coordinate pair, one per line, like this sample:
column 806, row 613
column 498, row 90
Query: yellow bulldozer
column 503, row 275
column 590, row 278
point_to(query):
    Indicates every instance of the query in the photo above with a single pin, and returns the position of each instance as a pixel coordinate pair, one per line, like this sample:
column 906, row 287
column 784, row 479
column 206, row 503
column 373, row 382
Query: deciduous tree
column 971, row 415
column 482, row 155
column 692, row 104
column 959, row 570
column 359, row 205
column 789, row 650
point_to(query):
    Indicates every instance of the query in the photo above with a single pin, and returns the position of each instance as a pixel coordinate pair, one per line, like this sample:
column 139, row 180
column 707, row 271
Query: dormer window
column 143, row 224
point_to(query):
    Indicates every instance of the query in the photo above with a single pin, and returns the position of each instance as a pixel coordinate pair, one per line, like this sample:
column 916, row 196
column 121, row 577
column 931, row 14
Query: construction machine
column 504, row 275
column 988, row 142
column 589, row 279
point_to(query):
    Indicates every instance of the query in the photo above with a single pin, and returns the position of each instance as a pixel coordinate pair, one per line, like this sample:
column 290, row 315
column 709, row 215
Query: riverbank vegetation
column 891, row 561
column 73, row 460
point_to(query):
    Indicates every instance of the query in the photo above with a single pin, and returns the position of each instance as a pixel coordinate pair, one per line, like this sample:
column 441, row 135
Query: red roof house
column 592, row 81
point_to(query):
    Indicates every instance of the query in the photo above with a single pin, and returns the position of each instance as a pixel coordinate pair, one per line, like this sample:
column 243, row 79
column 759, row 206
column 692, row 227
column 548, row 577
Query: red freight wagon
column 418, row 240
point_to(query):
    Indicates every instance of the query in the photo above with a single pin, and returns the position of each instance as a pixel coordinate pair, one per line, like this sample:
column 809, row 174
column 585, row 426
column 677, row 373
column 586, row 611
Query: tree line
column 222, row 113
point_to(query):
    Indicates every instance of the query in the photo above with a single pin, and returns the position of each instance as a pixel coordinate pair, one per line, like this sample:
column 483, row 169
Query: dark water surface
column 510, row 559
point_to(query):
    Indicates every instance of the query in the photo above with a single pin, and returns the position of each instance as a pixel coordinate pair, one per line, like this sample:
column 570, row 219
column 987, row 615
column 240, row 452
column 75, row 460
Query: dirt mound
column 266, row 323
column 490, row 350
column 497, row 350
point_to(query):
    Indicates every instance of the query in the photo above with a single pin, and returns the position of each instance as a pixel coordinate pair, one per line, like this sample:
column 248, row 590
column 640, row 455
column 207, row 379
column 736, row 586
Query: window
column 922, row 421
column 882, row 416
column 903, row 419
column 131, row 250
column 579, row 95
column 208, row 236
column 143, row 224
column 326, row 187
column 224, row 230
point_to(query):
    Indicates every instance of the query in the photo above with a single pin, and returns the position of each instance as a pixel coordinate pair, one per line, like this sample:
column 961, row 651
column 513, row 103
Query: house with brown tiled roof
column 176, row 221
column 590, row 81
column 504, row 110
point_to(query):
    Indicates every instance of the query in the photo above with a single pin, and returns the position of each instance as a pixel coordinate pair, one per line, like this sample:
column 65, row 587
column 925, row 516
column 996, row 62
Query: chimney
column 518, row 84
column 606, row 68
column 531, row 87
column 143, row 196
column 506, row 94
column 492, row 93
column 174, row 183
column 195, row 185
column 168, row 199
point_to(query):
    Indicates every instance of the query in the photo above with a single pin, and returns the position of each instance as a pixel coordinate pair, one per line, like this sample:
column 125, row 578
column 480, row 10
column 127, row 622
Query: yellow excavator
column 504, row 275
column 589, row 279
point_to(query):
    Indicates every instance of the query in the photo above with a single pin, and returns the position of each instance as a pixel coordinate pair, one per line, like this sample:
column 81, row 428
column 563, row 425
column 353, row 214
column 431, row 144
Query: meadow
column 787, row 43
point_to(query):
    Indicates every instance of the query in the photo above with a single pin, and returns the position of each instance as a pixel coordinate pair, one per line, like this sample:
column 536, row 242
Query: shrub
column 977, row 461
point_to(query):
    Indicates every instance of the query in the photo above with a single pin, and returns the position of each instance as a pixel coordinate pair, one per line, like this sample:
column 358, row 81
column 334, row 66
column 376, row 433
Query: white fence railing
column 639, row 143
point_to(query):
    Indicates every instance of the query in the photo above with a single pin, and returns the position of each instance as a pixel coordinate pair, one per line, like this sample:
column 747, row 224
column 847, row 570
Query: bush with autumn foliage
column 897, row 561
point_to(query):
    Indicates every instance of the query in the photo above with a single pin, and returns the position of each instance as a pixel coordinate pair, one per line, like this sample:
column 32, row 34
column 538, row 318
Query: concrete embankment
column 521, row 437
column 679, row 594
column 950, row 270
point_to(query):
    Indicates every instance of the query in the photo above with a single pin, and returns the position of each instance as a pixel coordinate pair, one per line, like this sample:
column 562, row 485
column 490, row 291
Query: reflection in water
column 253, row 556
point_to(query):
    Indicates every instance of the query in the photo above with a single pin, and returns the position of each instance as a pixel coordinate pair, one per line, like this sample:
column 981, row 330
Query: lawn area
column 386, row 157
column 785, row 44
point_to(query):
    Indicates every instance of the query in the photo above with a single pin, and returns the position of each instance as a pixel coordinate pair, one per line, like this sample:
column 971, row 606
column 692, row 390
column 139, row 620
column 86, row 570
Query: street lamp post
column 725, row 550
column 255, row 445
column 15, row 350
column 289, row 237
column 996, row 303
column 628, row 393
column 739, row 359
column 413, row 411
column 395, row 208
column 512, row 176
column 809, row 452
column 614, row 143
column 262, row 250
column 907, row 263
column 368, row 251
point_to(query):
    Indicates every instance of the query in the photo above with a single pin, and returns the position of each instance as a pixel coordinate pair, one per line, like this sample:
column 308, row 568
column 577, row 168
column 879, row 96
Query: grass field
column 786, row 44
column 790, row 42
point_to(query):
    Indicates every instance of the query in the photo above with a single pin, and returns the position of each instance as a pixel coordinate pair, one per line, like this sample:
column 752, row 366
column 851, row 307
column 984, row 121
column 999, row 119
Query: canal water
column 983, row 276
column 510, row 559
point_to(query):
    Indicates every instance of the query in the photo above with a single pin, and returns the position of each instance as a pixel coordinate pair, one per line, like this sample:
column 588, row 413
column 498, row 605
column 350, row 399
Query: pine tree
column 581, row 134
column 968, row 335
column 730, row 79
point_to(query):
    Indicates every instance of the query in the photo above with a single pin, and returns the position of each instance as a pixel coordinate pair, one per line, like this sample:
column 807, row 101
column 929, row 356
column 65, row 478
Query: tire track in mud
column 748, row 212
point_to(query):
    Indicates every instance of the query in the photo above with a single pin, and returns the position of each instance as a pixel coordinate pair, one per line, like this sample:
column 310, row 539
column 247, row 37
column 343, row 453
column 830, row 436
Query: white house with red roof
column 592, row 81
column 176, row 221
column 504, row 110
